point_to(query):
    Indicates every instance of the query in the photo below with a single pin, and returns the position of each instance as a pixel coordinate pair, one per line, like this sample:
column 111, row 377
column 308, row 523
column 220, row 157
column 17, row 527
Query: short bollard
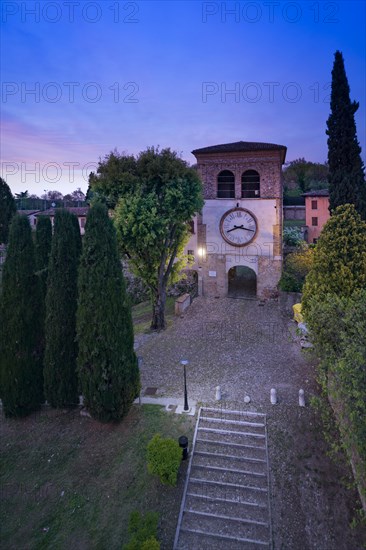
column 183, row 443
column 273, row 396
column 301, row 398
column 218, row 393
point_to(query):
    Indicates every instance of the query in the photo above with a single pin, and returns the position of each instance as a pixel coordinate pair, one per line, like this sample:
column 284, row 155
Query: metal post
column 186, row 407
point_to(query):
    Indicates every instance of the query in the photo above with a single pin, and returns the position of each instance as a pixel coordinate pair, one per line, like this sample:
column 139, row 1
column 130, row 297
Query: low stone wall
column 294, row 212
column 182, row 303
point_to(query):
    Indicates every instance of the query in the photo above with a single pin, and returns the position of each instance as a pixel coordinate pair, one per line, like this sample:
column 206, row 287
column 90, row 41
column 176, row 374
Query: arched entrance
column 242, row 282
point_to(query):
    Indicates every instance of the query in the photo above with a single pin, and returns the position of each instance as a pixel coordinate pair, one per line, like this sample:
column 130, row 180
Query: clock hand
column 247, row 229
column 236, row 227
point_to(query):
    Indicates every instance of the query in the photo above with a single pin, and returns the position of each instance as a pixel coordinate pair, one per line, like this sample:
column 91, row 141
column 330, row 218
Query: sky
column 81, row 78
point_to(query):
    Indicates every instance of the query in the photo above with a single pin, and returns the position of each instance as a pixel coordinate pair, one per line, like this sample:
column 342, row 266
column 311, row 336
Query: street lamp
column 186, row 407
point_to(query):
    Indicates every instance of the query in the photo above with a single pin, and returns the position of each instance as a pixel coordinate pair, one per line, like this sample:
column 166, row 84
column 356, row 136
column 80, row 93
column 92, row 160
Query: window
column 250, row 182
column 190, row 252
column 314, row 222
column 315, row 241
column 191, row 226
column 82, row 222
column 314, row 205
column 226, row 185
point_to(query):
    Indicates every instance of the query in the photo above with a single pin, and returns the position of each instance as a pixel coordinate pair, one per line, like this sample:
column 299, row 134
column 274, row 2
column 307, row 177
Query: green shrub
column 292, row 236
column 164, row 457
column 143, row 531
column 297, row 266
column 289, row 283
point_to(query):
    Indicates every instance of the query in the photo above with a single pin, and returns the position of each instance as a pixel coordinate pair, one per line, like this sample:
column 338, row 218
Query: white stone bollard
column 273, row 396
column 247, row 399
column 301, row 398
column 218, row 393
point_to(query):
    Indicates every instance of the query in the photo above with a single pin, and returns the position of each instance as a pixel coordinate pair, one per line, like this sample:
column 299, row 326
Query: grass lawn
column 71, row 482
column 293, row 223
column 142, row 313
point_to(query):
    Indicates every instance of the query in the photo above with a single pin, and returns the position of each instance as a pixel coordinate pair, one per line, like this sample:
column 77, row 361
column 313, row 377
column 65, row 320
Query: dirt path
column 247, row 349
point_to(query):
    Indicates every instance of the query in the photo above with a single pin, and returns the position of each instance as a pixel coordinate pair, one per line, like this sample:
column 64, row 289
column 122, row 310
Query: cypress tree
column 7, row 210
column 78, row 242
column 107, row 364
column 60, row 378
column 43, row 248
column 346, row 170
column 21, row 325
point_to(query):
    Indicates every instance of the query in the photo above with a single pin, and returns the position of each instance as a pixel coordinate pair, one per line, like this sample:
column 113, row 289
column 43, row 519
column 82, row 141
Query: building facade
column 316, row 213
column 237, row 240
column 80, row 212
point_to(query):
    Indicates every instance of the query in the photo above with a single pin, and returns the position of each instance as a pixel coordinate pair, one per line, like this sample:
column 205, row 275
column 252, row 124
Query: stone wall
column 294, row 212
column 269, row 273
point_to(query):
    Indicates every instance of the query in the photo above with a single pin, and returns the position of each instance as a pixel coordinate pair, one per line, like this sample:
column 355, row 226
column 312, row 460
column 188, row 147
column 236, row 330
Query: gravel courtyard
column 247, row 349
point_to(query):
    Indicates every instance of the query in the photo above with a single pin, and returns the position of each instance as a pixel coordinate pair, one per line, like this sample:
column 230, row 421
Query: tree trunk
column 158, row 317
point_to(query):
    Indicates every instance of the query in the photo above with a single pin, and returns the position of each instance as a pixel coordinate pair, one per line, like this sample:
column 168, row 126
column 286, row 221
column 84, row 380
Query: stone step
column 228, row 491
column 189, row 540
column 233, row 422
column 228, row 475
column 225, row 526
column 234, row 436
column 246, row 429
column 217, row 443
column 233, row 414
column 226, row 502
column 202, row 458
column 225, row 506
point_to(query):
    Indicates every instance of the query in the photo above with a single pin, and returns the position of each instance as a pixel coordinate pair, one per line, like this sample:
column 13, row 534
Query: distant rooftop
column 27, row 212
column 241, row 147
column 317, row 193
column 78, row 211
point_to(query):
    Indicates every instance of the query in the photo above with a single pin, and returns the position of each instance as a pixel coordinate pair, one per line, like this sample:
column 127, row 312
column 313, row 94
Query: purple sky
column 80, row 78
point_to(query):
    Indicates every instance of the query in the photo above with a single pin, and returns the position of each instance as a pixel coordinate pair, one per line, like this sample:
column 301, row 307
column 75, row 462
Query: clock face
column 238, row 226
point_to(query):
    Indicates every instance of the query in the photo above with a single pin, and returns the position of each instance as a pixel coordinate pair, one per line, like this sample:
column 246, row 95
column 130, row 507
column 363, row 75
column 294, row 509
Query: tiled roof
column 27, row 212
column 240, row 147
column 78, row 211
column 318, row 193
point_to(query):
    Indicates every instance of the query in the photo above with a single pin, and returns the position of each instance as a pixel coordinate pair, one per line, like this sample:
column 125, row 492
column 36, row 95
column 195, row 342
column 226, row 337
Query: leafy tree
column 52, row 196
column 346, row 170
column 116, row 175
column 307, row 175
column 75, row 196
column 107, row 364
column 153, row 221
column 7, row 210
column 61, row 385
column 43, row 248
column 22, row 195
column 21, row 325
column 339, row 262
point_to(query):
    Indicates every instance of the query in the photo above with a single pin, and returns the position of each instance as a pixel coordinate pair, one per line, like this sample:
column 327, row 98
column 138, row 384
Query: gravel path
column 247, row 349
column 237, row 344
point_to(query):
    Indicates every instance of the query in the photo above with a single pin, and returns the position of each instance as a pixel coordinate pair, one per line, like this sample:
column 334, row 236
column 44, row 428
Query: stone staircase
column 226, row 501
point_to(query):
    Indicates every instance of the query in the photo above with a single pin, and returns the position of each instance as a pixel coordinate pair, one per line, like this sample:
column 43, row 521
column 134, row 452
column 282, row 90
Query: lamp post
column 186, row 407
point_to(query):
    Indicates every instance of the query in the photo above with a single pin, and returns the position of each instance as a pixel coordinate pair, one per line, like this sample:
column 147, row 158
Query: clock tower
column 237, row 241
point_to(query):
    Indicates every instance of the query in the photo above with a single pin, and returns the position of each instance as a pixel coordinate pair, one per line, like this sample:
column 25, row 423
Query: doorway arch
column 242, row 282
